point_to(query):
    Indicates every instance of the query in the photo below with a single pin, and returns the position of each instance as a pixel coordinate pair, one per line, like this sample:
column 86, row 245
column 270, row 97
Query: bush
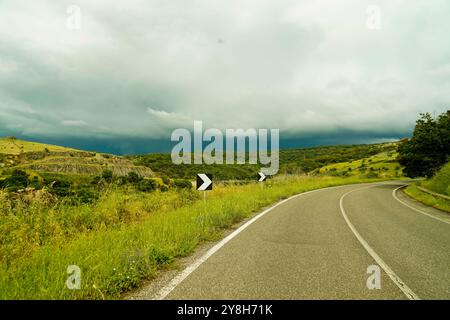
column 182, row 183
column 133, row 177
column 17, row 180
column 371, row 175
column 61, row 188
column 165, row 180
column 147, row 185
column 84, row 196
column 107, row 175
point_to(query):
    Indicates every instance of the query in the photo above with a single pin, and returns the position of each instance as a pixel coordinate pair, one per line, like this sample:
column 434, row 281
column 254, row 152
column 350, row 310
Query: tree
column 429, row 148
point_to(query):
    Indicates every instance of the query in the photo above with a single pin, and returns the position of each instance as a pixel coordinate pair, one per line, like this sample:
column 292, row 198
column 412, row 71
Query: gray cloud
column 139, row 69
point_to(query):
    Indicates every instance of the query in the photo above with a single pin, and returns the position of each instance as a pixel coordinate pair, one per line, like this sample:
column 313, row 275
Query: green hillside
column 13, row 146
column 382, row 165
column 292, row 161
column 40, row 158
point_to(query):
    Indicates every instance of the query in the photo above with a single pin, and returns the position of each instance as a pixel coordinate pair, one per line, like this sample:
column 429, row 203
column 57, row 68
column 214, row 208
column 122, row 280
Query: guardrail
column 433, row 193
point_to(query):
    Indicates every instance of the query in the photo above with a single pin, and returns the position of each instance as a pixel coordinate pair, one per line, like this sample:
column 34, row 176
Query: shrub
column 165, row 180
column 107, row 175
column 133, row 177
column 147, row 185
column 371, row 174
column 17, row 180
column 182, row 183
column 61, row 188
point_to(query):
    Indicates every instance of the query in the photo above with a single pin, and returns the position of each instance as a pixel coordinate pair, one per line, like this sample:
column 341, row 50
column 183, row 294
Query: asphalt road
column 319, row 246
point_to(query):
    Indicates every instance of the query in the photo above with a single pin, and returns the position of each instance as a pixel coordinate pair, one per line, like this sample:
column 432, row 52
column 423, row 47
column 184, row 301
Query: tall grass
column 428, row 199
column 123, row 238
column 440, row 183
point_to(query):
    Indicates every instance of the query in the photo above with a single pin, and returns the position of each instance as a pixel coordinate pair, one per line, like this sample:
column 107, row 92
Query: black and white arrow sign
column 204, row 181
column 261, row 177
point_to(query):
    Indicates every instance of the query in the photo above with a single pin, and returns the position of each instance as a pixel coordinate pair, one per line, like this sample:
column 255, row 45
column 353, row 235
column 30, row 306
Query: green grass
column 125, row 237
column 383, row 165
column 428, row 199
column 10, row 145
column 440, row 183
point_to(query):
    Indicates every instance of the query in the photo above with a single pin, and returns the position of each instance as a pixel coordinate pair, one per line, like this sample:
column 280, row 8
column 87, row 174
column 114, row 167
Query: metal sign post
column 204, row 183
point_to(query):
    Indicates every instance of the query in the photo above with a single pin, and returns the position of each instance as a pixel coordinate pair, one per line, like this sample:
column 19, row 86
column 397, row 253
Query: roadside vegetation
column 428, row 199
column 427, row 154
column 429, row 148
column 440, row 183
column 124, row 237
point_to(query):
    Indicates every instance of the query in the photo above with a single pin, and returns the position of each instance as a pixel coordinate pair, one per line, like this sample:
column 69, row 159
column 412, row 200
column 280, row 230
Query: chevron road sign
column 204, row 182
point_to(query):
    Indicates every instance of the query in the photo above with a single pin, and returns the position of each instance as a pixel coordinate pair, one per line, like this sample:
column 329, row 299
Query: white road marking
column 396, row 279
column 394, row 194
column 192, row 267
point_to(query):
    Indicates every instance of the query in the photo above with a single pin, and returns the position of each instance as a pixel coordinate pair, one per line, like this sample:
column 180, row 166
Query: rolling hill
column 346, row 160
column 45, row 158
column 292, row 161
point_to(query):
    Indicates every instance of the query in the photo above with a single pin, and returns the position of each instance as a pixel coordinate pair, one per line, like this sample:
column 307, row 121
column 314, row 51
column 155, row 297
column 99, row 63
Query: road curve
column 320, row 246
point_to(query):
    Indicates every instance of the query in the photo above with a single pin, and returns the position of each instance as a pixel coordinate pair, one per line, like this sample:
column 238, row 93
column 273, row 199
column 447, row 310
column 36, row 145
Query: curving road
column 319, row 245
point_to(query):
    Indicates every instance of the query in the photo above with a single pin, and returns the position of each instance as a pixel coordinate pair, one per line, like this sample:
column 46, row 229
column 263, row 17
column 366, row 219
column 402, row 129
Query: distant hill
column 346, row 160
column 13, row 146
column 44, row 158
column 292, row 161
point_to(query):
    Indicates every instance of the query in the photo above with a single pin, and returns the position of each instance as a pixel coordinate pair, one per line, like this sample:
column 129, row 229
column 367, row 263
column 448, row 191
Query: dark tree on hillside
column 429, row 148
column 107, row 175
column 18, row 179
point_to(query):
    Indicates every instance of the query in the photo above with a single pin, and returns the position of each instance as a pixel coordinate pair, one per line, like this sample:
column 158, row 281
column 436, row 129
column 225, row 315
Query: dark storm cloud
column 136, row 70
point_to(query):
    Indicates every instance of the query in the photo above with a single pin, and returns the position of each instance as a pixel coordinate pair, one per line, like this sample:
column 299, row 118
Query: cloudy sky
column 320, row 71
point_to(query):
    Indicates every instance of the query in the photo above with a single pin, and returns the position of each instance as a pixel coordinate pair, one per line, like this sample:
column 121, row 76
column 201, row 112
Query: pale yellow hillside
column 10, row 145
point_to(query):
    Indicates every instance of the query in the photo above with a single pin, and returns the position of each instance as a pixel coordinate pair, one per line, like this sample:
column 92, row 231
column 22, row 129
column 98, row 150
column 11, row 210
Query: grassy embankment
column 124, row 237
column 440, row 183
column 381, row 165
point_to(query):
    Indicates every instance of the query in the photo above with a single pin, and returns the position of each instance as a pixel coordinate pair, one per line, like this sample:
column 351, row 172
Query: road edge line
column 394, row 194
column 396, row 279
column 166, row 290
